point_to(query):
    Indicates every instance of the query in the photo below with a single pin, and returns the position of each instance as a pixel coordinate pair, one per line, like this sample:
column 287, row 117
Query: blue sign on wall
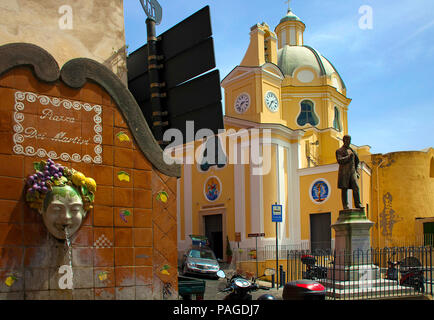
column 276, row 213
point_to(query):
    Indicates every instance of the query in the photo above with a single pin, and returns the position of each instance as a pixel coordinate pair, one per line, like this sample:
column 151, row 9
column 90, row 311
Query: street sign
column 238, row 237
column 153, row 10
column 255, row 235
column 276, row 213
column 188, row 91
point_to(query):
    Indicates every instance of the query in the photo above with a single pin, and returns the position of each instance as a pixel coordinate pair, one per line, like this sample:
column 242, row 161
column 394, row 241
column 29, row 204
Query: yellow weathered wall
column 406, row 177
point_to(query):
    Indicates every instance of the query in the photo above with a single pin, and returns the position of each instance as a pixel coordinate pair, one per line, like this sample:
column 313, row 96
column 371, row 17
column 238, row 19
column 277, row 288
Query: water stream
column 68, row 248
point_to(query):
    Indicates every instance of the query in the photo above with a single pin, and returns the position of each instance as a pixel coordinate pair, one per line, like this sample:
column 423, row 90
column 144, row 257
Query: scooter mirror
column 221, row 274
column 269, row 272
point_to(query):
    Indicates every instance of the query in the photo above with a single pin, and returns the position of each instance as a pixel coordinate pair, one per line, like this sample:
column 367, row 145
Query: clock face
column 242, row 103
column 271, row 101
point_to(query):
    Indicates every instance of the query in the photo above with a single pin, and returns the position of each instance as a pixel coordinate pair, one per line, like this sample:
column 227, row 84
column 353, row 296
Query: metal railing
column 373, row 274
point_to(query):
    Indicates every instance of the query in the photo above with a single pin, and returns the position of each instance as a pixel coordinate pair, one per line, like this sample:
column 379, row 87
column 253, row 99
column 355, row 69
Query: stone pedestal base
column 354, row 273
column 352, row 238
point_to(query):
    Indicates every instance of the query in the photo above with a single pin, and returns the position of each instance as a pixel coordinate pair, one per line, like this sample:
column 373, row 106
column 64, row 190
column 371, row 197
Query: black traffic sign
column 186, row 92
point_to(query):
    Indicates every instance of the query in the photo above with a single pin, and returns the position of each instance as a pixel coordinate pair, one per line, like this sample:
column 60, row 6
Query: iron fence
column 372, row 274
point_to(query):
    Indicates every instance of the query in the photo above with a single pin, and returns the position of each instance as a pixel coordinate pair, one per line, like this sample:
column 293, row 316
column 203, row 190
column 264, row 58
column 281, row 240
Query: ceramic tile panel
column 126, row 246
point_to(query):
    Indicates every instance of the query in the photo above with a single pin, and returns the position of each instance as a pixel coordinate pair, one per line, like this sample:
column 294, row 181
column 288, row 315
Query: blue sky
column 388, row 70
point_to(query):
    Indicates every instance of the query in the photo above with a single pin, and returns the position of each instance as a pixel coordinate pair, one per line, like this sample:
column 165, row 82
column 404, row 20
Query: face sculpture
column 63, row 211
column 61, row 195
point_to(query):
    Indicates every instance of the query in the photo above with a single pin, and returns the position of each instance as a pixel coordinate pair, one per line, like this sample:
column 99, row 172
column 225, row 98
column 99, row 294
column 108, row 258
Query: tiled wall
column 126, row 247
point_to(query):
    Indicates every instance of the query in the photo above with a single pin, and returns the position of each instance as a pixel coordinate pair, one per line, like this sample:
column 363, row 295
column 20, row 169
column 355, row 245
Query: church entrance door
column 320, row 231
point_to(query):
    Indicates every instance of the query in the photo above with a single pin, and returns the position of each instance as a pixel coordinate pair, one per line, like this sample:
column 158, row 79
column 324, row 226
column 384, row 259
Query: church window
column 307, row 114
column 337, row 120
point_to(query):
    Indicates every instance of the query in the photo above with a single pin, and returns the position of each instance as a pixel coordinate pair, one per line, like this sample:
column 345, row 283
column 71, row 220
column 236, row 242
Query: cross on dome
column 289, row 4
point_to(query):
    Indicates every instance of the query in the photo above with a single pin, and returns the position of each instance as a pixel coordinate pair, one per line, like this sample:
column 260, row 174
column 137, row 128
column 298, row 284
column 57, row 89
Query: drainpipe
column 378, row 203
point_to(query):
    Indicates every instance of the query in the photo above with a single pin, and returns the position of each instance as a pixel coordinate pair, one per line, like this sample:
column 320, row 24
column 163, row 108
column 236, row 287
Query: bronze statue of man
column 348, row 172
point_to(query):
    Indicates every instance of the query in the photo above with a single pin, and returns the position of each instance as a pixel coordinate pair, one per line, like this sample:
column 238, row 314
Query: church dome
column 289, row 58
column 290, row 16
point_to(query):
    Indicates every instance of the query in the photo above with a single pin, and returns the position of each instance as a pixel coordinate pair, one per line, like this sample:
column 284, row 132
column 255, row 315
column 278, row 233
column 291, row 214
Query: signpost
column 170, row 76
column 153, row 10
column 256, row 235
column 276, row 216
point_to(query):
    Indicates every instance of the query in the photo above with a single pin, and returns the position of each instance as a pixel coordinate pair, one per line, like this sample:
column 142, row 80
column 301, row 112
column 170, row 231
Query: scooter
column 239, row 288
column 411, row 273
column 313, row 271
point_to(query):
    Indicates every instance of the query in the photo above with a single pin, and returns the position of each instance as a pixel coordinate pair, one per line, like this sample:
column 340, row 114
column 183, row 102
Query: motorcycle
column 411, row 273
column 313, row 271
column 239, row 287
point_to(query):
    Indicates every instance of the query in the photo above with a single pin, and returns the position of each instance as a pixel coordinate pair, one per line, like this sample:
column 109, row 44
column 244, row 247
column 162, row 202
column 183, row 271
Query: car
column 200, row 260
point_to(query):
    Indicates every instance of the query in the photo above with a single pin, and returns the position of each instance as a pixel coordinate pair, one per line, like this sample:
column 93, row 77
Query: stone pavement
column 214, row 286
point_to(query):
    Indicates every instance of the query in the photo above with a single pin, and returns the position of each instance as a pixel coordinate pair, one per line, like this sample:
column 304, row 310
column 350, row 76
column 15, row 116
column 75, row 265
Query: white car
column 200, row 260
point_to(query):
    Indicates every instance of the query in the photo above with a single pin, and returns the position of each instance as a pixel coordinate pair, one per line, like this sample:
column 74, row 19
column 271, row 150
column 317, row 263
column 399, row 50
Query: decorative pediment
column 273, row 69
column 238, row 73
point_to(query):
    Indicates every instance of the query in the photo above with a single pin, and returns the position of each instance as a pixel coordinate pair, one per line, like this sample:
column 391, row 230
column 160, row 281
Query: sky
column 387, row 66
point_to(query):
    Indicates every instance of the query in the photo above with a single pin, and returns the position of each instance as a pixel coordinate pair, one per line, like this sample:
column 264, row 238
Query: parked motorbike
column 313, row 271
column 411, row 273
column 239, row 287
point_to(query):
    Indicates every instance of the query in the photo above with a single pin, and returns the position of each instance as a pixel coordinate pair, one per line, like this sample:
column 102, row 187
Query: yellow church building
column 288, row 91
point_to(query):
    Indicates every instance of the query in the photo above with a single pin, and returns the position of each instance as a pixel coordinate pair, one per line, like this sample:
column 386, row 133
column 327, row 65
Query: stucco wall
column 68, row 29
column 402, row 193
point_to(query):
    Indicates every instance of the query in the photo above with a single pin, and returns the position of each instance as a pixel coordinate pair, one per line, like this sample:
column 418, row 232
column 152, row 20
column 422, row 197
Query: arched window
column 337, row 120
column 307, row 114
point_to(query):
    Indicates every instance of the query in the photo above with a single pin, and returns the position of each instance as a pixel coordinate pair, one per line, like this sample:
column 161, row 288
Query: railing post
column 333, row 274
column 430, row 267
column 287, row 265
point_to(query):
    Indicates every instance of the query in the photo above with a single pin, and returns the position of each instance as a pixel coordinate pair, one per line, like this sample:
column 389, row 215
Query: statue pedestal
column 352, row 244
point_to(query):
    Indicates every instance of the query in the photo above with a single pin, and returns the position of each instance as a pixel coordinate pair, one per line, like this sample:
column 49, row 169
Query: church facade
column 287, row 94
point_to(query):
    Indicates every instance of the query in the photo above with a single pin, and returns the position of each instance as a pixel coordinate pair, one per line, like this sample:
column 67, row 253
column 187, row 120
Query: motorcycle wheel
column 419, row 286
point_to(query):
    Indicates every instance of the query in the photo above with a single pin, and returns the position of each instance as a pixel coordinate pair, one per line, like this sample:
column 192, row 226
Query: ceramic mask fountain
column 61, row 195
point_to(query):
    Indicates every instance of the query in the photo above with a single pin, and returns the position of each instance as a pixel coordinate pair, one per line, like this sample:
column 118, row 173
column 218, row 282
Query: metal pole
column 154, row 81
column 257, row 272
column 430, row 268
column 277, row 256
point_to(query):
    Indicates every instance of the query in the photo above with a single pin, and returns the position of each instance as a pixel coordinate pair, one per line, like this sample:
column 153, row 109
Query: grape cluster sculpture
column 50, row 174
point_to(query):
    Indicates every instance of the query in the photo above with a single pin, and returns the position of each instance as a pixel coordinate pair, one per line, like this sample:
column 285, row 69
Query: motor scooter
column 313, row 271
column 239, row 287
column 411, row 273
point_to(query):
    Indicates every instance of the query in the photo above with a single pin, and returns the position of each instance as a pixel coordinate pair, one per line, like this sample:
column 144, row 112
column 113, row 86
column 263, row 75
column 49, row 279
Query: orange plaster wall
column 138, row 247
